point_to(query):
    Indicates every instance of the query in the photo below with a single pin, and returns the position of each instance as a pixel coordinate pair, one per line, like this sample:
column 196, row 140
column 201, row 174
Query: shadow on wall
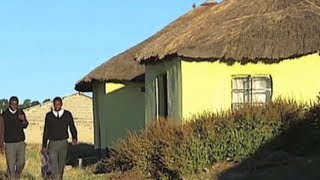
column 294, row 154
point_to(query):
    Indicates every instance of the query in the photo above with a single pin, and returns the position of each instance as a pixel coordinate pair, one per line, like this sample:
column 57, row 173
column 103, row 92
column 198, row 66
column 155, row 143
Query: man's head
column 14, row 103
column 57, row 103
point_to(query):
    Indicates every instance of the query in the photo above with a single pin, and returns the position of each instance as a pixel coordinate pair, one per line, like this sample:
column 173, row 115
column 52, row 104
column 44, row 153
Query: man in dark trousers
column 55, row 137
column 13, row 123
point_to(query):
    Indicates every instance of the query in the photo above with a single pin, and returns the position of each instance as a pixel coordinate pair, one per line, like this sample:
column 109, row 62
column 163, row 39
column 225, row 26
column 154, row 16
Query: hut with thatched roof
column 221, row 55
column 118, row 98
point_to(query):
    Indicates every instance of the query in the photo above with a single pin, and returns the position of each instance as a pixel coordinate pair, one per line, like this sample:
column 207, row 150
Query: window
column 143, row 89
column 251, row 89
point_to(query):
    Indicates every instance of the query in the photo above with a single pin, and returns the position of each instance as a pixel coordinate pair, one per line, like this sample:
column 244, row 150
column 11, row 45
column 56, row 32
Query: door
column 161, row 96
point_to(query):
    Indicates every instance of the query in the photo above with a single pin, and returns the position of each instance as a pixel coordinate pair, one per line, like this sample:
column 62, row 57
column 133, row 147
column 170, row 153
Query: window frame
column 249, row 91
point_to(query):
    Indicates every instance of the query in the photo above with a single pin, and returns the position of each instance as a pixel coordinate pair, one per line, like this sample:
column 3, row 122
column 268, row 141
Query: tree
column 3, row 104
column 26, row 103
column 46, row 100
column 34, row 103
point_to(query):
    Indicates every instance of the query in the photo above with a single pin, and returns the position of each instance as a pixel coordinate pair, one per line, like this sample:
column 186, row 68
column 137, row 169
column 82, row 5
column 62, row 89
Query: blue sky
column 47, row 46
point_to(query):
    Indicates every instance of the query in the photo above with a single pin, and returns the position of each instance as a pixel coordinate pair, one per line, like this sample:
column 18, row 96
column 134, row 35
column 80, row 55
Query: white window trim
column 250, row 89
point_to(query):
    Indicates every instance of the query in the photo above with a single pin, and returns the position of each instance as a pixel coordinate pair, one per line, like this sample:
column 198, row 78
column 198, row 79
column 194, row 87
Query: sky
column 47, row 46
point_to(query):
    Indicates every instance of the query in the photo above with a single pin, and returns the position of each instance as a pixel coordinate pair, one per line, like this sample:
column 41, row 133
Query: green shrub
column 237, row 135
column 197, row 155
column 169, row 150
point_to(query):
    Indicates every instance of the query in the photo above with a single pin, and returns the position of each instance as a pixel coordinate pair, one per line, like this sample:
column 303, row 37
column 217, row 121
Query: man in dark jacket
column 14, row 123
column 55, row 136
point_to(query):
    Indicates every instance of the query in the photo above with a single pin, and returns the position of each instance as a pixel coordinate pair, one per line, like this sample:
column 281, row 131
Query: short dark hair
column 57, row 99
column 14, row 98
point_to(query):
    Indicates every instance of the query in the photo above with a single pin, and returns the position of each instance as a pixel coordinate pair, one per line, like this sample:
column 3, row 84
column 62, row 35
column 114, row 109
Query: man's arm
column 73, row 130
column 1, row 134
column 23, row 118
column 45, row 133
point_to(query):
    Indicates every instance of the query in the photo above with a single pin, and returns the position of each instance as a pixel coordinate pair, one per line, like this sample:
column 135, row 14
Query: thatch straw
column 234, row 30
column 240, row 30
column 121, row 68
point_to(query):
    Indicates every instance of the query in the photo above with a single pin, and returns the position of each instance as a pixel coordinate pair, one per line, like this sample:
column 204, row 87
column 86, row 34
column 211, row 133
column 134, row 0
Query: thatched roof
column 121, row 68
column 239, row 30
column 234, row 30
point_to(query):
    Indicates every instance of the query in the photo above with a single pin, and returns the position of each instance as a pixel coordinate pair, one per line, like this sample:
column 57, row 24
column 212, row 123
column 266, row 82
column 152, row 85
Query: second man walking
column 55, row 136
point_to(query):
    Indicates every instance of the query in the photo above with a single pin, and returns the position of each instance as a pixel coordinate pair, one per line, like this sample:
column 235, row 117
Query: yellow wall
column 118, row 108
column 206, row 86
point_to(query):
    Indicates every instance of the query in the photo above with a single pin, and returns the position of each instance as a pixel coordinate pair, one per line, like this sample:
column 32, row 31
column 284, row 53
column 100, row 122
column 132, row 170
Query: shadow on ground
column 294, row 155
column 82, row 154
column 3, row 176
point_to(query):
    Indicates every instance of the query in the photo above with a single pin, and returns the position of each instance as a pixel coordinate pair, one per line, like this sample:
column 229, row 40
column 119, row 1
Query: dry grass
column 33, row 132
column 32, row 169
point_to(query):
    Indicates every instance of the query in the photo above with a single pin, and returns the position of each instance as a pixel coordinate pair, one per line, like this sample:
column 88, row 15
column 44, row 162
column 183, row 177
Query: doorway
column 161, row 90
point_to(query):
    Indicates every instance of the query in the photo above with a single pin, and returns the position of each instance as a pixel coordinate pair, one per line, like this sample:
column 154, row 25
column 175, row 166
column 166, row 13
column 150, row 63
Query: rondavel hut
column 215, row 57
column 223, row 55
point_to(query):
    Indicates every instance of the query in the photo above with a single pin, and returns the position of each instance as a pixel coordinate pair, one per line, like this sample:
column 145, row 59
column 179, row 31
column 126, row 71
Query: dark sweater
column 56, row 129
column 14, row 127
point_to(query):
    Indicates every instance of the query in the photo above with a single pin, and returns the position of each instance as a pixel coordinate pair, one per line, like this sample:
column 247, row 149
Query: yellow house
column 118, row 98
column 215, row 57
column 218, row 56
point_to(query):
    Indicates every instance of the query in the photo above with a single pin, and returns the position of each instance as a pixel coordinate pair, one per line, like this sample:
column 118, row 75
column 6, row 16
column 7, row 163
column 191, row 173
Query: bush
column 171, row 150
column 237, row 135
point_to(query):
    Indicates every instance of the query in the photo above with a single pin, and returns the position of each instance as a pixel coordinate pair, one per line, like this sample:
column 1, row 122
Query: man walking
column 13, row 124
column 55, row 136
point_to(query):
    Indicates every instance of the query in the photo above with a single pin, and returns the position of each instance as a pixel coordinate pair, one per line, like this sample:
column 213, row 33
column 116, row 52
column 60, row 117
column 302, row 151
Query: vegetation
column 252, row 137
column 271, row 140
column 46, row 100
column 25, row 104
column 32, row 168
